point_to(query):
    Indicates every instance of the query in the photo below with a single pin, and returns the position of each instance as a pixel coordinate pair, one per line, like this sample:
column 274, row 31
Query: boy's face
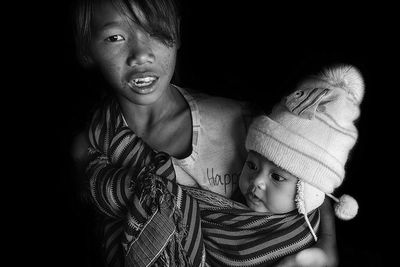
column 266, row 187
column 138, row 66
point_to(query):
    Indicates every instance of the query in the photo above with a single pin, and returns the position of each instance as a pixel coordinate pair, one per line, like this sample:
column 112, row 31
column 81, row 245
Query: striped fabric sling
column 234, row 235
column 147, row 220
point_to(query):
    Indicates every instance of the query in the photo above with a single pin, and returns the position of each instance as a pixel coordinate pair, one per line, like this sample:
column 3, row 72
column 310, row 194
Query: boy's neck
column 143, row 119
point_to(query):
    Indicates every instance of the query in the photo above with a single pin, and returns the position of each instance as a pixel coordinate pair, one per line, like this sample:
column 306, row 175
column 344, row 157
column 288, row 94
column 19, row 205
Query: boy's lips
column 142, row 83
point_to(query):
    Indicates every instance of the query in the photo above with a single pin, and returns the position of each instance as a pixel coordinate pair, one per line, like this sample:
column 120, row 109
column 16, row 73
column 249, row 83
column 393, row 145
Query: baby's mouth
column 253, row 197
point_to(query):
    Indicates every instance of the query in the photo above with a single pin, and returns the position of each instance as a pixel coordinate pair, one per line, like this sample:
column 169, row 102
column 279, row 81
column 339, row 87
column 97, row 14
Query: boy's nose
column 140, row 53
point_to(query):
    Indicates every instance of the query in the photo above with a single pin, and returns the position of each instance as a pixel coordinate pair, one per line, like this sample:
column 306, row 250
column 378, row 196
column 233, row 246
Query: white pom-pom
column 346, row 208
column 346, row 76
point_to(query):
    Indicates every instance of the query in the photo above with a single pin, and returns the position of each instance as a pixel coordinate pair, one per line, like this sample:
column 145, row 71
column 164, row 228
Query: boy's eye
column 277, row 177
column 251, row 165
column 115, row 38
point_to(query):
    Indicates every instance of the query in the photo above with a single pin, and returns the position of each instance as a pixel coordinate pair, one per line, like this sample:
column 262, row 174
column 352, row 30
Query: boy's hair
column 161, row 20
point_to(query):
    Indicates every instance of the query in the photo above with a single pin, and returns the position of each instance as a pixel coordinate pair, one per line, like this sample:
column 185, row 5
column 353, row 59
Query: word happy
column 227, row 180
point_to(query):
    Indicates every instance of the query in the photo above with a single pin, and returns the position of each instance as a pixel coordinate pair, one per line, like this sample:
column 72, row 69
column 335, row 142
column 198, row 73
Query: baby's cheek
column 243, row 182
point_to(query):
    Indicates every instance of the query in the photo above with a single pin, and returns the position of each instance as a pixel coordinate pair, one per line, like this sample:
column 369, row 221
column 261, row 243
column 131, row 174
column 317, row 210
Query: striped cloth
column 149, row 220
column 146, row 218
column 234, row 235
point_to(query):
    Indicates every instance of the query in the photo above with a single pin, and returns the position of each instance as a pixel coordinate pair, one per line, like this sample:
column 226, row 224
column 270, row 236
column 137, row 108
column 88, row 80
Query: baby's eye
column 251, row 165
column 115, row 38
column 277, row 177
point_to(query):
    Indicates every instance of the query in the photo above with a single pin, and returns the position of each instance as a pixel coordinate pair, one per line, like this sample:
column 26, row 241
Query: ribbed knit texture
column 312, row 130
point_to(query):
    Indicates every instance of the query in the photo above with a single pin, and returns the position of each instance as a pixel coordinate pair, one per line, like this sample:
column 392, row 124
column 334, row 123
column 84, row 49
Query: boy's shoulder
column 218, row 108
column 217, row 104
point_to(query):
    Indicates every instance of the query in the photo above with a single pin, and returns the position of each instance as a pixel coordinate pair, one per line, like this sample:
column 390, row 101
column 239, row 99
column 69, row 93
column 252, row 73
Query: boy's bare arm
column 327, row 237
column 79, row 149
column 79, row 156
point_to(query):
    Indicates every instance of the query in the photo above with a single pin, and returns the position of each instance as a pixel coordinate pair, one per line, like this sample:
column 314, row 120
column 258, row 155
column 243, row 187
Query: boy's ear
column 86, row 61
column 178, row 41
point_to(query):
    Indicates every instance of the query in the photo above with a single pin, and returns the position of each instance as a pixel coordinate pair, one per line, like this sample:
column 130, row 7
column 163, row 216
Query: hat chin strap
column 301, row 207
column 346, row 207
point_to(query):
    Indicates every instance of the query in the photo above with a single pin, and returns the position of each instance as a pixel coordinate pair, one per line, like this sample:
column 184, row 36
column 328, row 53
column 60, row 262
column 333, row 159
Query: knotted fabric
column 150, row 220
column 147, row 218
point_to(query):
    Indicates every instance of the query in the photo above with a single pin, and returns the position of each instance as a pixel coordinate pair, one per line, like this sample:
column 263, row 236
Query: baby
column 297, row 154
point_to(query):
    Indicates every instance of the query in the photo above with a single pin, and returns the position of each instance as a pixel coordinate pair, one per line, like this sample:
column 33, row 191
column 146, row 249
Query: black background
column 245, row 51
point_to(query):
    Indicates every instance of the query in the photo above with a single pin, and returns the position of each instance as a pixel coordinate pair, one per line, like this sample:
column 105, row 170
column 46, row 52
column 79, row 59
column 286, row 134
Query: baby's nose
column 259, row 183
column 262, row 186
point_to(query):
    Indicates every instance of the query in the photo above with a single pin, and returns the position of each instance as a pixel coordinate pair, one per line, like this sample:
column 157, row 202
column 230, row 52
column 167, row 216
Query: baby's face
column 266, row 187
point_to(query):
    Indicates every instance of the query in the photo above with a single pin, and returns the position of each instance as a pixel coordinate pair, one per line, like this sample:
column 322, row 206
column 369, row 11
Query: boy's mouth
column 142, row 82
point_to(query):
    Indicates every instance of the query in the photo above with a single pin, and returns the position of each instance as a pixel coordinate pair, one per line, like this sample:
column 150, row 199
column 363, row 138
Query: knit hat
column 311, row 132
